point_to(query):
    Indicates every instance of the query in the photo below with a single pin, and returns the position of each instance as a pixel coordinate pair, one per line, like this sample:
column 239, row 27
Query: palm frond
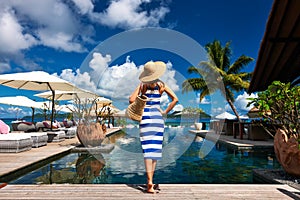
column 211, row 68
column 204, row 93
column 239, row 64
column 193, row 84
column 193, row 69
column 226, row 56
column 245, row 76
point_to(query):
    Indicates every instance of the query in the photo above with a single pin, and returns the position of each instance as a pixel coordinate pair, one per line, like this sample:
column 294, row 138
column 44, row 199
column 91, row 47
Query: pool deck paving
column 13, row 163
column 235, row 143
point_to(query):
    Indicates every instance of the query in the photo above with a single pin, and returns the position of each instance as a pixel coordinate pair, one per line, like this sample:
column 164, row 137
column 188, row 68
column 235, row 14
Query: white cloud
column 119, row 81
column 81, row 80
column 98, row 64
column 84, row 6
column 13, row 37
column 129, row 14
column 216, row 110
column 59, row 40
column 164, row 100
column 242, row 101
column 205, row 100
column 49, row 23
column 65, row 25
column 115, row 82
column 169, row 77
column 4, row 67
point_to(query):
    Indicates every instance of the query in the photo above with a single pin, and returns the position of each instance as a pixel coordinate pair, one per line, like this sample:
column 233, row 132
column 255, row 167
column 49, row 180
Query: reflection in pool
column 182, row 163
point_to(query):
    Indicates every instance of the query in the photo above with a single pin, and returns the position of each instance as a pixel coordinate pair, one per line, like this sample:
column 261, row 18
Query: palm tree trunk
column 234, row 109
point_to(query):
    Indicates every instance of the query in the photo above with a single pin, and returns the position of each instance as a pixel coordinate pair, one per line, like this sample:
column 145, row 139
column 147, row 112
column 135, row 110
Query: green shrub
column 279, row 106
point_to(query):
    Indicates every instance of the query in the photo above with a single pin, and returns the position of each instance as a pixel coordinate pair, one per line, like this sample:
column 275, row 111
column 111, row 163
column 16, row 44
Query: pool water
column 186, row 159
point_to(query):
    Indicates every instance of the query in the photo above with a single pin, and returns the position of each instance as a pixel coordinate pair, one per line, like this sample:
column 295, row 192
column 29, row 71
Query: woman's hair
column 158, row 82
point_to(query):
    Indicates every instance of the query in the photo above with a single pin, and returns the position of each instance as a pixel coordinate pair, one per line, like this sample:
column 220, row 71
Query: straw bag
column 135, row 110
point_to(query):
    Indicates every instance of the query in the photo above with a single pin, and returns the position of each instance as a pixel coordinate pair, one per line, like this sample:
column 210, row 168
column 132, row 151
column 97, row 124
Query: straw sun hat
column 152, row 71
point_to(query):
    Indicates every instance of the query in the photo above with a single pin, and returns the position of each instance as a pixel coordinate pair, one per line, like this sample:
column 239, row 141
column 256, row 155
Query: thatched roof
column 279, row 54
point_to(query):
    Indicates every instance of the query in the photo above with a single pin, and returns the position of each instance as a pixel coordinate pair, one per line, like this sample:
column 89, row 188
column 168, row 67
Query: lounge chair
column 69, row 128
column 23, row 126
column 56, row 136
column 38, row 138
column 45, row 126
column 15, row 142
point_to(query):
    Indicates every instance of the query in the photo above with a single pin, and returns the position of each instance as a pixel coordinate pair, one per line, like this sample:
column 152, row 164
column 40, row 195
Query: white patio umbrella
column 45, row 105
column 225, row 115
column 110, row 108
column 77, row 97
column 102, row 104
column 103, row 101
column 106, row 109
column 67, row 95
column 67, row 108
column 20, row 101
column 38, row 81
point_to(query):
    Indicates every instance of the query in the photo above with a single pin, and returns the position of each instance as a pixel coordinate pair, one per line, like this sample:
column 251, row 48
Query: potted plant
column 279, row 107
column 90, row 132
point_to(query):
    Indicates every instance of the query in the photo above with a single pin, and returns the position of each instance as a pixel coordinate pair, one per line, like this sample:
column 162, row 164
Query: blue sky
column 65, row 38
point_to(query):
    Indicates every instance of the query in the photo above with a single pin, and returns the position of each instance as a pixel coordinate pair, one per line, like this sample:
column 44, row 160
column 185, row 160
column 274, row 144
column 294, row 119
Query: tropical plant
column 83, row 108
column 218, row 71
column 194, row 112
column 279, row 106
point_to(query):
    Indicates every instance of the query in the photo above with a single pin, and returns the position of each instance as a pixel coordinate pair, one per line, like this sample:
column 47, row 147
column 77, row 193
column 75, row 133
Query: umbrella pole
column 32, row 117
column 52, row 114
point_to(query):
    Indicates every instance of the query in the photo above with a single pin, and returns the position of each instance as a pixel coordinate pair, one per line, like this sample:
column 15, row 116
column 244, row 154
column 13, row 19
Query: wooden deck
column 167, row 191
column 14, row 163
column 235, row 143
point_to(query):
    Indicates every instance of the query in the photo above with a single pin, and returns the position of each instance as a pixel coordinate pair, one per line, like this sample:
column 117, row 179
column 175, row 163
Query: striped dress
column 152, row 126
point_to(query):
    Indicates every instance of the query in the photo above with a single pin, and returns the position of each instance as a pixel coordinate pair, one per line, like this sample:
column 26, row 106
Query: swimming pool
column 183, row 162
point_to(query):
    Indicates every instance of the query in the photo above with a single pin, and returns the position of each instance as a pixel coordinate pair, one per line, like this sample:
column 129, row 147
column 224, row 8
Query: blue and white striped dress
column 152, row 126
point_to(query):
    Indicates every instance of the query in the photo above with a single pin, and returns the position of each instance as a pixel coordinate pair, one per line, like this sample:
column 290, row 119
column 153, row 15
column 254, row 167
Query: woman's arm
column 134, row 94
column 174, row 98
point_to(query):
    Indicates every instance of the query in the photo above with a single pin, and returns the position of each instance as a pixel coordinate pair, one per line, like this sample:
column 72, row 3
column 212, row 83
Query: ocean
column 168, row 122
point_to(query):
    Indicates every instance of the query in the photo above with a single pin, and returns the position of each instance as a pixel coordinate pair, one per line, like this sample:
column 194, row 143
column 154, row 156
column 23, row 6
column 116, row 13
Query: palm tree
column 218, row 74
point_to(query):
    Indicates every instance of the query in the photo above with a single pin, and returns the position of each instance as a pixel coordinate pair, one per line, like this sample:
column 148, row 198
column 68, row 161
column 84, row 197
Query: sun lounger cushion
column 15, row 142
column 56, row 136
column 38, row 138
column 66, row 124
column 45, row 126
column 25, row 126
column 69, row 132
column 4, row 128
column 39, row 126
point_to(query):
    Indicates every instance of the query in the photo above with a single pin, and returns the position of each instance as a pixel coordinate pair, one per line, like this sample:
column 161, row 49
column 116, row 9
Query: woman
column 152, row 123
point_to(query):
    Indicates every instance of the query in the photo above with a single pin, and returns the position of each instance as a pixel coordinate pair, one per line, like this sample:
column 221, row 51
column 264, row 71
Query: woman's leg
column 154, row 165
column 150, row 168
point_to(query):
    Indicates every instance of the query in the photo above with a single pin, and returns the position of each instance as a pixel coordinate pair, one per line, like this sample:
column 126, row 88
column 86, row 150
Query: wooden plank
column 13, row 163
column 168, row 191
